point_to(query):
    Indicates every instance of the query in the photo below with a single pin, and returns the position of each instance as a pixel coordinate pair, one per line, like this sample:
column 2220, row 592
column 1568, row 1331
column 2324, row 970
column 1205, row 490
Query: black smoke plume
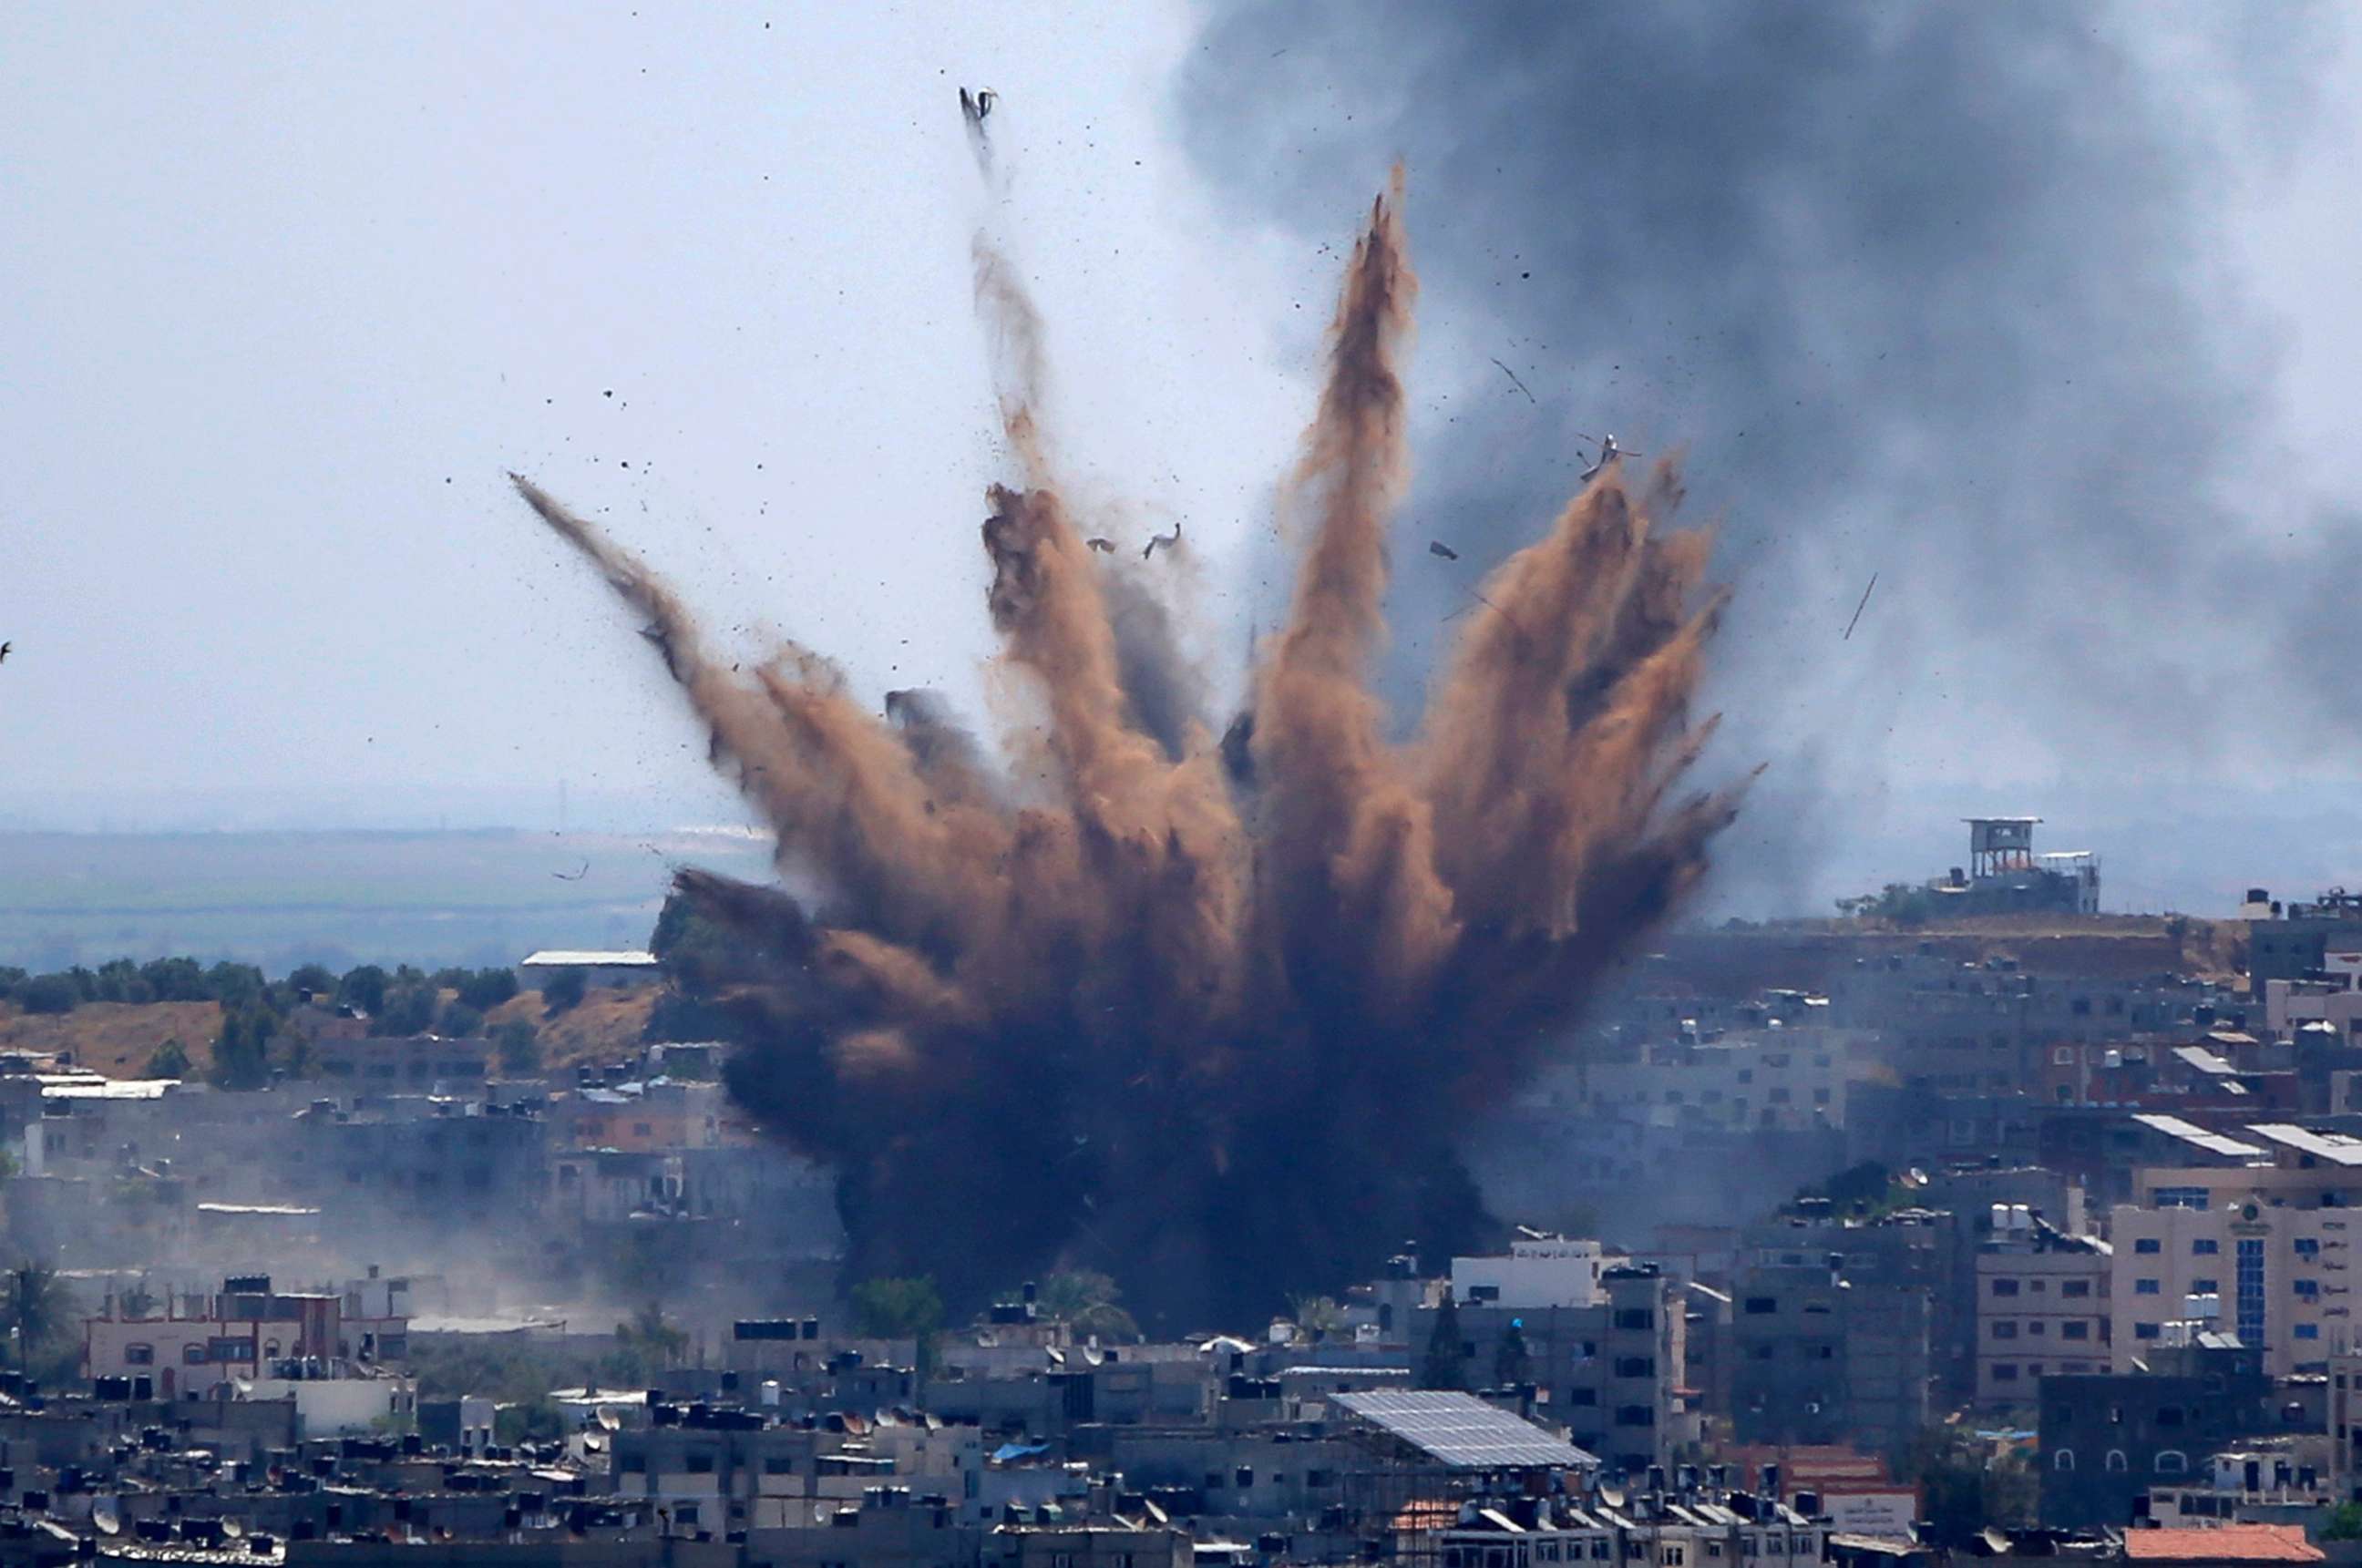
column 1941, row 293
column 1204, row 1035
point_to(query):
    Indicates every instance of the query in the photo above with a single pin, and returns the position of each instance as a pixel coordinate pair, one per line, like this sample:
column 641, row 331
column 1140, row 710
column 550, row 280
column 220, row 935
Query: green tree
column 33, row 1308
column 237, row 985
column 2344, row 1523
column 1964, row 1484
column 52, row 995
column 119, row 981
column 563, row 990
column 1447, row 1353
column 316, row 978
column 487, row 988
column 170, row 1060
column 889, row 1307
column 1088, row 1302
column 1512, row 1363
column 650, row 1341
column 1317, row 1316
column 362, row 988
column 519, row 1047
column 176, row 980
column 242, row 1049
column 457, row 1020
column 408, row 1009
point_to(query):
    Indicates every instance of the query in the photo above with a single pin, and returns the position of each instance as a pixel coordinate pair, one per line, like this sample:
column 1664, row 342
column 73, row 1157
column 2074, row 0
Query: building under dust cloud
column 1198, row 1015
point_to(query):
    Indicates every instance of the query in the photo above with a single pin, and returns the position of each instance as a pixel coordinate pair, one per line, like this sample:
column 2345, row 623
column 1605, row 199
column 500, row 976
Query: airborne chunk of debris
column 1168, row 540
column 1438, row 548
column 1104, row 547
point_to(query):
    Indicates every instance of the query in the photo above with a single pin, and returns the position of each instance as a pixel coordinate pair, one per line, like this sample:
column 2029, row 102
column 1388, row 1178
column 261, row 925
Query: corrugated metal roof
column 2199, row 1137
column 583, row 958
column 1462, row 1432
column 2335, row 1147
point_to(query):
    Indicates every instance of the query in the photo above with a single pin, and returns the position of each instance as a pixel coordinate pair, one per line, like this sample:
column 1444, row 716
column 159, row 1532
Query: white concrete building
column 1538, row 1272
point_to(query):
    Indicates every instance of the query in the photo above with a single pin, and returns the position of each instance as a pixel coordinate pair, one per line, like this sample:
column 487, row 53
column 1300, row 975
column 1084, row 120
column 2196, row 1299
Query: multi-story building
column 1605, row 1362
column 1820, row 1356
column 2042, row 1299
column 2271, row 1244
column 2107, row 1439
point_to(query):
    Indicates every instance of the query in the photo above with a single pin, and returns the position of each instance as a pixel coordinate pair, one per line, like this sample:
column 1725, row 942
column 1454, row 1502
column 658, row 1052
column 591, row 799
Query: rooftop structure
column 1460, row 1431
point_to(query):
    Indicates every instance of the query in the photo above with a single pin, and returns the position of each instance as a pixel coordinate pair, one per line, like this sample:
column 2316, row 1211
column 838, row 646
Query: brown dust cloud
column 1200, row 1004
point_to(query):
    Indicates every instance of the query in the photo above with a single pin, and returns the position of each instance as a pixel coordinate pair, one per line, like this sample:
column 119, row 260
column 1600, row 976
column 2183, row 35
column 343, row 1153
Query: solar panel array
column 1462, row 1432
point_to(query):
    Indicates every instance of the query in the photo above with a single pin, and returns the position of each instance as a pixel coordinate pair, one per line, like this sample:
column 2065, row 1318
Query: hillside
column 117, row 1038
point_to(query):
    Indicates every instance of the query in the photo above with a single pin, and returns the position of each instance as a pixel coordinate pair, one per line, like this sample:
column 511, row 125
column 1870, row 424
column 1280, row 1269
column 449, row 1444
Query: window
column 2205, row 1247
column 192, row 1354
column 2034, row 1327
column 2168, row 1414
column 2143, row 1288
column 2208, row 1287
column 2005, row 1287
column 1636, row 1366
column 2172, row 1461
column 2117, row 1460
column 2307, row 1248
column 1635, row 1416
column 2075, row 1329
column 2004, row 1372
column 2005, row 1329
column 2308, row 1330
column 2145, row 1331
column 2179, row 1197
column 2147, row 1246
column 1640, row 1317
column 2063, row 1460
column 2074, row 1288
column 700, row 1464
column 2306, row 1289
column 139, row 1355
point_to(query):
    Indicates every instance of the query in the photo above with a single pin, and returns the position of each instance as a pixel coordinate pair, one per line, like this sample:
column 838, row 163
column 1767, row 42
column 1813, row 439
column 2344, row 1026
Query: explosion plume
column 1205, row 1016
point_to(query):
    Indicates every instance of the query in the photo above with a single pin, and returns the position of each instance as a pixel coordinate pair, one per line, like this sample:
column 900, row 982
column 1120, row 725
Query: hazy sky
column 290, row 286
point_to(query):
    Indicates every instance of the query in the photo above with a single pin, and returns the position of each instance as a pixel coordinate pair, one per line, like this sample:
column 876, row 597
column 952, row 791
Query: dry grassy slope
column 115, row 1038
column 605, row 1027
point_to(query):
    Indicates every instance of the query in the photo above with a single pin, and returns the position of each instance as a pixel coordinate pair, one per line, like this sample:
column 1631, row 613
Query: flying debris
column 1608, row 452
column 1167, row 540
column 973, row 109
column 1517, row 383
column 4, row 651
column 1858, row 609
column 1104, row 547
column 573, row 877
column 1438, row 548
column 1137, row 1005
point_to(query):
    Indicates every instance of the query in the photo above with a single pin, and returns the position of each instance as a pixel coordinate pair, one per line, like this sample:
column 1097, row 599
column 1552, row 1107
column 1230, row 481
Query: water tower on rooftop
column 1999, row 845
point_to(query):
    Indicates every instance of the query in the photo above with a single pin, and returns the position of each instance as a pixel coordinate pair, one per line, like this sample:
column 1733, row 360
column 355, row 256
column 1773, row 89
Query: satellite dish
column 234, row 1529
column 608, row 1419
column 103, row 1515
column 1611, row 1494
column 595, row 1443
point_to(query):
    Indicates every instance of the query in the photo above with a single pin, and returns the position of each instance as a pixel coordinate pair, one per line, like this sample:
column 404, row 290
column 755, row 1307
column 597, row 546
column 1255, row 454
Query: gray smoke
column 1930, row 291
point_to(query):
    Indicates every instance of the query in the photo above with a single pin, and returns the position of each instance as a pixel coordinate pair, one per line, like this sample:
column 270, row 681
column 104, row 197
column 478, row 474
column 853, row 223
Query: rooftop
column 2231, row 1543
column 1461, row 1431
column 2338, row 1148
column 2199, row 1137
column 574, row 959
